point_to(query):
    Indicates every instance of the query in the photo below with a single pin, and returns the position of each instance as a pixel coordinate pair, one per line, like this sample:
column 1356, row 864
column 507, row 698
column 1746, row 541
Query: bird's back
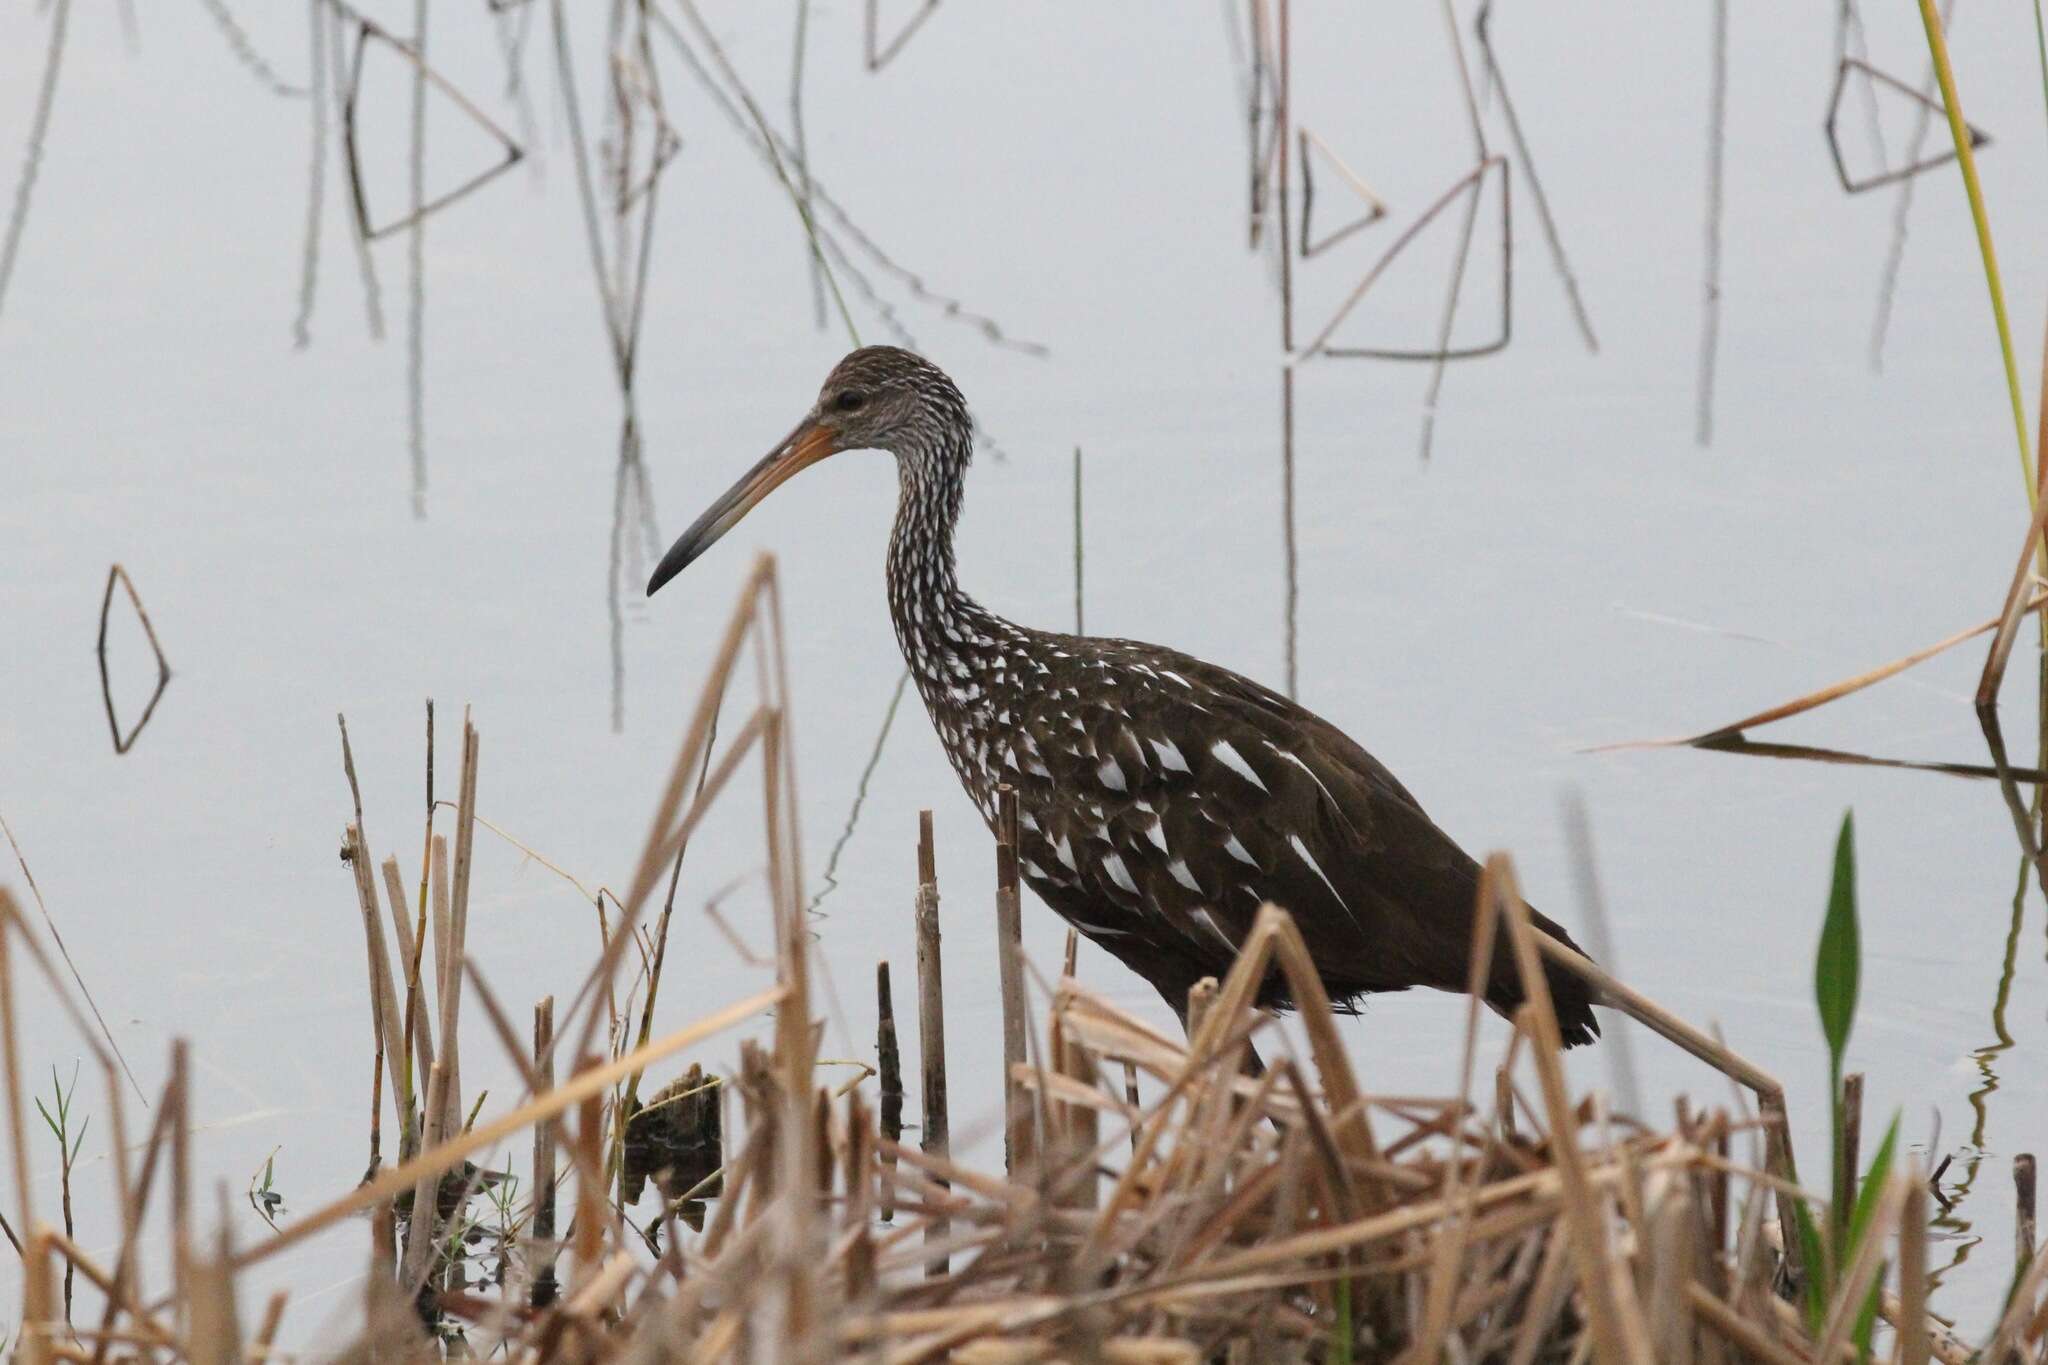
column 1163, row 800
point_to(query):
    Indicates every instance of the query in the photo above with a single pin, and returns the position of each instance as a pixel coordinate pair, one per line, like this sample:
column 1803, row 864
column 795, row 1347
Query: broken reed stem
column 931, row 1025
column 545, row 1288
column 420, row 1235
column 1847, row 1144
column 383, row 994
column 450, row 967
column 180, row 1121
column 1914, row 1326
column 1010, row 968
column 889, row 1061
column 36, row 1295
column 2025, row 1234
column 1619, row 1334
column 408, row 952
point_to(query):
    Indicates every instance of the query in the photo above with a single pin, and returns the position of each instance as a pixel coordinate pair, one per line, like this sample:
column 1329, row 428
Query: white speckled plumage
column 1163, row 799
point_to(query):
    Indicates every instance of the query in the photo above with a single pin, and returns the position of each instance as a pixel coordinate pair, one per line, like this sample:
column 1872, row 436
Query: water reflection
column 1954, row 1223
column 635, row 544
column 32, row 159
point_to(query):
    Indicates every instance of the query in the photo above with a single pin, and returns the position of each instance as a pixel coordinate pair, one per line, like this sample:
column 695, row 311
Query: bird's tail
column 1571, row 996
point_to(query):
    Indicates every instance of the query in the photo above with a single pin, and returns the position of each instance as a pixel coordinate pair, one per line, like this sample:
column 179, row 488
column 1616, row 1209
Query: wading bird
column 1161, row 799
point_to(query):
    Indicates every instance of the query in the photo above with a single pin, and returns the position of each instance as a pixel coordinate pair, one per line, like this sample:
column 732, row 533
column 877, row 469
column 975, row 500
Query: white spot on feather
column 1100, row 930
column 1170, row 757
column 1303, row 766
column 1315, row 867
column 1179, row 868
column 1118, row 873
column 1157, row 834
column 1234, row 761
column 1112, row 776
column 1237, row 851
column 1203, row 918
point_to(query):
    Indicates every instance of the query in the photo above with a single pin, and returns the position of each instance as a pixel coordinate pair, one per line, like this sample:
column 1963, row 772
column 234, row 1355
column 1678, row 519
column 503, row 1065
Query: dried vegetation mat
column 1165, row 1200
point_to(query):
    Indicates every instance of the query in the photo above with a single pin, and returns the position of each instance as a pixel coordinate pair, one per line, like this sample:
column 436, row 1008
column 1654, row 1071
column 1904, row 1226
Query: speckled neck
column 956, row 650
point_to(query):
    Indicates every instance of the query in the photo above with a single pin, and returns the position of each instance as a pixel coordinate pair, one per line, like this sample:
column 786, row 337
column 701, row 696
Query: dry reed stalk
column 890, row 1060
column 1822, row 696
column 542, row 1239
column 266, row 1327
column 408, row 953
column 2024, row 1230
column 426, row 1189
column 37, row 1294
column 1618, row 1332
column 936, row 1137
column 153, row 1328
column 1017, row 1134
column 179, row 1104
column 384, row 1016
column 1849, row 1140
column 449, row 992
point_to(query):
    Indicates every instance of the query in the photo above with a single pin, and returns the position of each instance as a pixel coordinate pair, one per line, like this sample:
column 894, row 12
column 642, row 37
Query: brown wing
column 1170, row 799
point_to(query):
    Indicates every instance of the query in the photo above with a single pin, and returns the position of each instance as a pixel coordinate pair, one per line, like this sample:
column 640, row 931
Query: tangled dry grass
column 1166, row 1199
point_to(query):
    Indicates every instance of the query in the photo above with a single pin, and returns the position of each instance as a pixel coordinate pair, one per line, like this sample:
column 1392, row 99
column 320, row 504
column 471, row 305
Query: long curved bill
column 804, row 447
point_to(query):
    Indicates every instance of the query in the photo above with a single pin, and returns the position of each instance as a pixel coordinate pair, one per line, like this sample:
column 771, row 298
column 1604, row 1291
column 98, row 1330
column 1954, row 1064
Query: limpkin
column 1162, row 800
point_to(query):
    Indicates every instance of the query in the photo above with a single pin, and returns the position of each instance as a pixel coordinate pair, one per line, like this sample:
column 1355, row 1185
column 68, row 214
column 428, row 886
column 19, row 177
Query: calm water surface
column 1568, row 568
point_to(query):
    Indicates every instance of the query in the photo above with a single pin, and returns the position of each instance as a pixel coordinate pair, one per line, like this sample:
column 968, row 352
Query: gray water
column 1567, row 568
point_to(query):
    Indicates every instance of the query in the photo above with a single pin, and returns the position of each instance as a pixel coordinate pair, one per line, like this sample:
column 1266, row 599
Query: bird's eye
column 850, row 401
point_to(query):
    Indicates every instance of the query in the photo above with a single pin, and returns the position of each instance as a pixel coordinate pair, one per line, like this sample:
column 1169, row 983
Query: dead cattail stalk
column 1911, row 1319
column 37, row 1297
column 2024, row 1232
column 426, row 1188
column 890, row 1061
column 1017, row 1130
column 383, row 995
column 181, row 1166
column 1850, row 1139
column 450, row 966
column 545, row 1288
column 408, row 954
column 931, row 1018
column 1619, row 1332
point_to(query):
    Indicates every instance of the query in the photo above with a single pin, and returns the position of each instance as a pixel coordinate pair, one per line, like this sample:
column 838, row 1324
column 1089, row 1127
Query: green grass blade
column 1820, row 1273
column 1873, row 1190
column 1839, row 961
column 1937, row 47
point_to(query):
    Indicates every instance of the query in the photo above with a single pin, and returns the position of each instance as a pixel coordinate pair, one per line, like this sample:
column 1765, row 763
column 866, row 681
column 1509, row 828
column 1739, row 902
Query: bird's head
column 877, row 398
